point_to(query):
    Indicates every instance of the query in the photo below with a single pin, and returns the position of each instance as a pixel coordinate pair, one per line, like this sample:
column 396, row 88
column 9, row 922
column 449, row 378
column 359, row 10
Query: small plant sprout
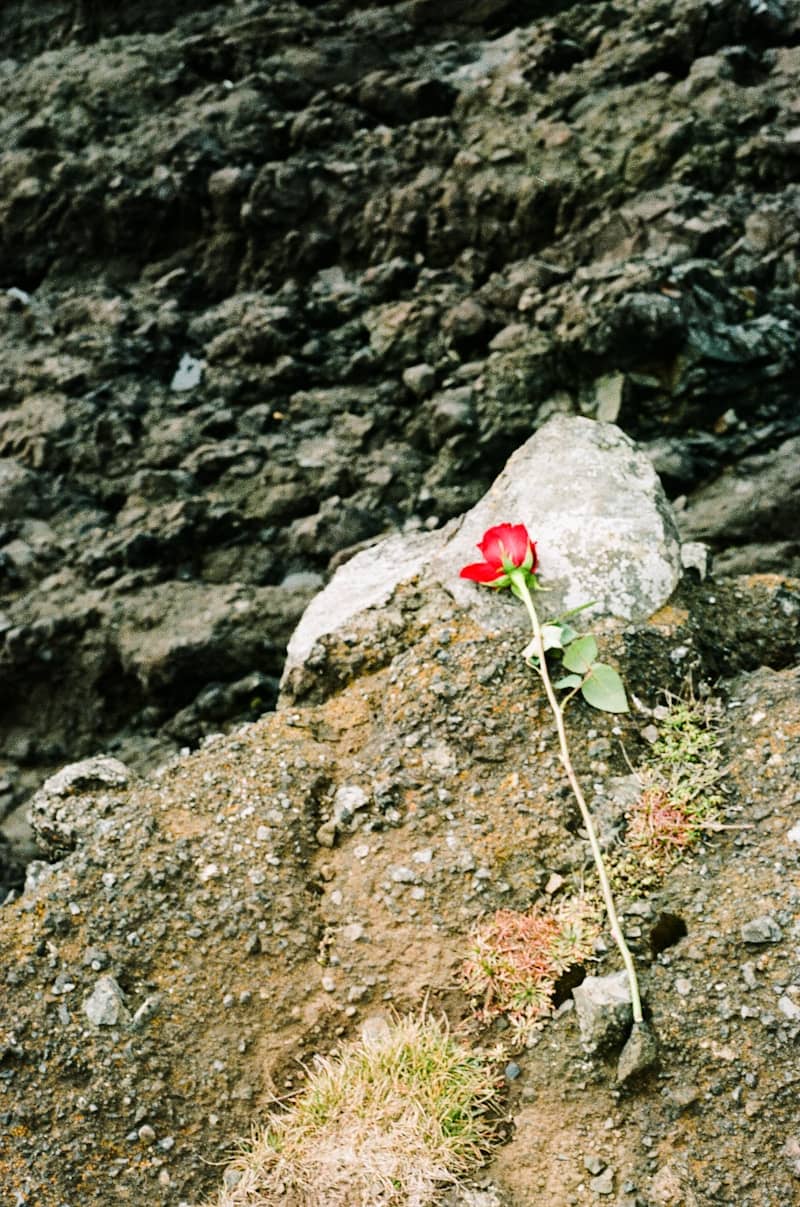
column 679, row 800
column 515, row 960
column 510, row 560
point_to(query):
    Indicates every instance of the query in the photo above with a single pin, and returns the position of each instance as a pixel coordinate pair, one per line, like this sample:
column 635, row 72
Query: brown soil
column 206, row 894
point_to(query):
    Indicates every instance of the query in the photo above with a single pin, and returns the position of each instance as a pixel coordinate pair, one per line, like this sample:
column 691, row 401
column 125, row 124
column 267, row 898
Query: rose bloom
column 505, row 547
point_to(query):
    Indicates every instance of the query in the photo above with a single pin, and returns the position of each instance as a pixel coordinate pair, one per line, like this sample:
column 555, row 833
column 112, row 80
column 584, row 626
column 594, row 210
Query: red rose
column 505, row 548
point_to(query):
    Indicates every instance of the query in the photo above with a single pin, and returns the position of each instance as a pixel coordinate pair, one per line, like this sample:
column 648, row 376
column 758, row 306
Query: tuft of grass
column 381, row 1124
column 680, row 800
column 516, row 958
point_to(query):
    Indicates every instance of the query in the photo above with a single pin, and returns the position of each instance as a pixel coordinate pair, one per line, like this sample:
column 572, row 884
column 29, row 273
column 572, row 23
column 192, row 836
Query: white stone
column 789, row 1008
column 348, row 800
column 592, row 502
column 352, row 932
column 367, row 581
column 105, row 1005
column 188, row 374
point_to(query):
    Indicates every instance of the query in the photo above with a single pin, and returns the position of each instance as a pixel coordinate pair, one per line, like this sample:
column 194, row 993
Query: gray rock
column 595, row 508
column 149, row 1008
column 63, row 808
column 349, row 799
column 789, row 1008
column 366, row 582
column 639, row 1054
column 402, row 875
column 105, row 1005
column 696, row 556
column 347, row 802
column 450, row 413
column 613, row 541
column 37, row 872
column 473, row 1196
column 603, row 1006
column 761, row 930
column 19, row 491
column 188, row 374
column 99, row 772
column 755, row 500
column 420, row 379
column 603, row 1183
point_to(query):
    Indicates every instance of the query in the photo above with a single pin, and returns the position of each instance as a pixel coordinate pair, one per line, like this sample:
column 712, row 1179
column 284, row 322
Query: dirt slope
column 241, row 941
column 277, row 278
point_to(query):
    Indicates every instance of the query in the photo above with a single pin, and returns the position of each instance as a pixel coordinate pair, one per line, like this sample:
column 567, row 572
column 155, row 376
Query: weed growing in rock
column 680, row 798
column 516, row 958
column 386, row 1121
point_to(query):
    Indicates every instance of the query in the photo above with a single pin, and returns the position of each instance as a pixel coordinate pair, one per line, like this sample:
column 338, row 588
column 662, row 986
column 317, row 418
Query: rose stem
column 518, row 579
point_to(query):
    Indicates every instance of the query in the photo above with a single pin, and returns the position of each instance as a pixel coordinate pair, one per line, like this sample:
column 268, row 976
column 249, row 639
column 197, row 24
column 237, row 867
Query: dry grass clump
column 381, row 1124
column 515, row 959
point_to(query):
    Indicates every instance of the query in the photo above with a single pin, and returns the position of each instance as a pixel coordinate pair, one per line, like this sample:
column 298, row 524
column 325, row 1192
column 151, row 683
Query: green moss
column 680, row 798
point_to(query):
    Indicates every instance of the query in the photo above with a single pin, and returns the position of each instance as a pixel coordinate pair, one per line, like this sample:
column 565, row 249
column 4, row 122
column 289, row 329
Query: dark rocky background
column 276, row 278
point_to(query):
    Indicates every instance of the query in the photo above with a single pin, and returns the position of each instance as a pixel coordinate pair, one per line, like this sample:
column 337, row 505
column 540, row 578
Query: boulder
column 593, row 504
column 65, row 808
column 591, row 501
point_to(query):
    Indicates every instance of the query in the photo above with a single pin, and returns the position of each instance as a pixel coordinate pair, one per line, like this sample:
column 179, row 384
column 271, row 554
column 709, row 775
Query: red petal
column 509, row 539
column 483, row 572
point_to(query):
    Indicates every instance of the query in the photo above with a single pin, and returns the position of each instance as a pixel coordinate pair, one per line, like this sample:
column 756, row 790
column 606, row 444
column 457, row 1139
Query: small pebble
column 761, row 930
column 789, row 1008
column 603, row 1183
column 402, row 875
column 749, row 976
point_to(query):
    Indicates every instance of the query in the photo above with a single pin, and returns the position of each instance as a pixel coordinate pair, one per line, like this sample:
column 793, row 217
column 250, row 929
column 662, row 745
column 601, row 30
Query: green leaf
column 574, row 611
column 579, row 656
column 603, row 688
column 568, row 634
column 569, row 681
column 552, row 637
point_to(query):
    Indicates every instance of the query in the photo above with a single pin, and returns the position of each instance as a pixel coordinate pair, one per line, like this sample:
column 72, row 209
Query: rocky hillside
column 276, row 278
column 205, row 933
